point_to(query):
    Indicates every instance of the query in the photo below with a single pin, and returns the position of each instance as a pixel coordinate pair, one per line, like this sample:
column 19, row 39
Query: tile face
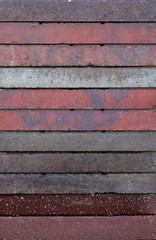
column 88, row 77
column 77, row 142
column 77, row 183
column 63, row 99
column 78, row 11
column 78, row 55
column 89, row 228
column 78, row 162
column 77, row 33
column 90, row 120
column 77, row 205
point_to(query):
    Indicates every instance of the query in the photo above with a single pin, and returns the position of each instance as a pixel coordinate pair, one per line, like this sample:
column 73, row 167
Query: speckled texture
column 77, row 142
column 77, row 77
column 77, row 205
column 73, row 10
column 77, row 162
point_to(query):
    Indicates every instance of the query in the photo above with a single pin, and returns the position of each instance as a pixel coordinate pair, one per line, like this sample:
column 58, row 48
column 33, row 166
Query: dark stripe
column 77, row 205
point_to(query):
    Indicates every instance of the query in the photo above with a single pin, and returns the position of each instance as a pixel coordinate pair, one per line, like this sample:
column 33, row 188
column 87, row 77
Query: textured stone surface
column 77, row 162
column 78, row 55
column 88, row 10
column 77, row 33
column 88, row 228
column 77, row 142
column 77, row 183
column 77, row 77
column 77, row 205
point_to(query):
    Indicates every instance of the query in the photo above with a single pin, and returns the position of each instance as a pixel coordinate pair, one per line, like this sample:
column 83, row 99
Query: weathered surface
column 77, row 77
column 89, row 55
column 77, row 33
column 77, row 99
column 77, row 205
column 78, row 120
column 76, row 163
column 77, row 183
column 77, row 11
column 85, row 152
column 88, row 228
column 76, row 142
